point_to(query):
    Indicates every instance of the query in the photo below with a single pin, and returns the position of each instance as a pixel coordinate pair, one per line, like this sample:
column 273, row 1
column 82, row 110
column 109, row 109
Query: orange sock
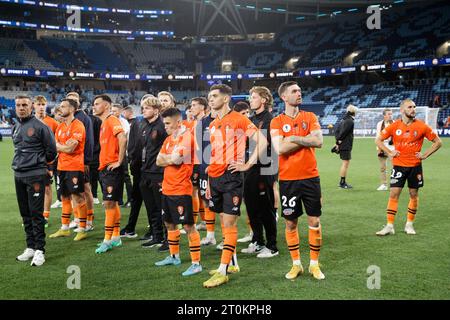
column 90, row 215
column 201, row 210
column 195, row 206
column 173, row 237
column 210, row 219
column 46, row 214
column 315, row 242
column 82, row 214
column 412, row 208
column 391, row 210
column 116, row 230
column 110, row 215
column 293, row 242
column 66, row 211
column 229, row 245
column 194, row 246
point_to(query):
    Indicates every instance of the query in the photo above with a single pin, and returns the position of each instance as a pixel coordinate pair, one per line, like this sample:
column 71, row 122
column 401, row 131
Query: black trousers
column 260, row 201
column 30, row 192
column 151, row 192
column 93, row 178
column 127, row 181
column 136, row 204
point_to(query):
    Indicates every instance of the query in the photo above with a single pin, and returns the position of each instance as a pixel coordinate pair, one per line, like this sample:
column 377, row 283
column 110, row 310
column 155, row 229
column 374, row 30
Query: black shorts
column 414, row 175
column 297, row 192
column 203, row 185
column 112, row 184
column 177, row 209
column 195, row 175
column 345, row 154
column 226, row 193
column 71, row 182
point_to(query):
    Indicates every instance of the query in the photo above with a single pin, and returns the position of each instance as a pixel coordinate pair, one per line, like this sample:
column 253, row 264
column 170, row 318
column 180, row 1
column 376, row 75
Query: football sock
column 293, row 242
column 173, row 237
column 194, row 246
column 195, row 206
column 315, row 242
column 391, row 210
column 412, row 208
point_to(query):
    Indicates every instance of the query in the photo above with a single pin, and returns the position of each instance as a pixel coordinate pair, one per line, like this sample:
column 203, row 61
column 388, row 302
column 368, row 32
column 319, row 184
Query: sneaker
column 220, row 246
column 382, row 187
column 295, row 271
column 89, row 227
column 345, row 186
column 164, row 247
column 26, row 255
column 216, row 280
column 208, row 241
column 388, row 229
column 193, row 269
column 152, row 243
column 316, row 273
column 80, row 236
column 96, row 201
column 125, row 234
column 201, row 226
column 146, row 237
column 230, row 269
column 168, row 261
column 409, row 229
column 247, row 238
column 103, row 248
column 73, row 224
column 60, row 233
column 253, row 248
column 267, row 253
column 56, row 204
column 38, row 259
column 116, row 243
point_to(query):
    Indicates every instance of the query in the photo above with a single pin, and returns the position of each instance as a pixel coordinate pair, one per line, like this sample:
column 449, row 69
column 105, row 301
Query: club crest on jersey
column 30, row 132
column 415, row 134
column 398, row 132
column 286, row 128
column 235, row 200
column 304, row 125
column 109, row 189
column 180, row 210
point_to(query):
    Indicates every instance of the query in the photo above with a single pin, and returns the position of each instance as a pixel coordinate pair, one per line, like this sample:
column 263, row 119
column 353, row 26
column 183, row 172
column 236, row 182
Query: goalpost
column 367, row 118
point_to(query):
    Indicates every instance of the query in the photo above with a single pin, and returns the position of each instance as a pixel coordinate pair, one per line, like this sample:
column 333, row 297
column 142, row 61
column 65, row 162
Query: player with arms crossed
column 407, row 135
column 295, row 134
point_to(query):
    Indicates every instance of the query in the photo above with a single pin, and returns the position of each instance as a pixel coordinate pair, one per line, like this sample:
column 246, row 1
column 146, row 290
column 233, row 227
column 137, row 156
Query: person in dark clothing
column 93, row 166
column 34, row 150
column 344, row 143
column 134, row 151
column 259, row 194
column 153, row 135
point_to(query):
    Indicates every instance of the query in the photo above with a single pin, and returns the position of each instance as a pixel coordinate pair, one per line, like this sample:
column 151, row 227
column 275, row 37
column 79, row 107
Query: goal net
column 367, row 118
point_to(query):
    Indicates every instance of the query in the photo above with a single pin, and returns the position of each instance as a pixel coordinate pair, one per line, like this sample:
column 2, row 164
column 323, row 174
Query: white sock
column 314, row 263
column 176, row 255
column 196, row 262
column 390, row 225
column 80, row 229
column 296, row 262
column 106, row 241
column 115, row 238
column 222, row 269
column 77, row 220
column 409, row 223
column 234, row 261
column 65, row 227
column 210, row 234
column 89, row 223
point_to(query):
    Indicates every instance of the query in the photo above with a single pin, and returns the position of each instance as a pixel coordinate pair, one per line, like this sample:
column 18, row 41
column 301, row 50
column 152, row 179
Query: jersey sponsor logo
column 109, row 189
column 286, row 128
column 30, row 132
column 180, row 210
column 398, row 132
column 117, row 127
column 415, row 133
column 304, row 125
column 288, row 211
column 235, row 200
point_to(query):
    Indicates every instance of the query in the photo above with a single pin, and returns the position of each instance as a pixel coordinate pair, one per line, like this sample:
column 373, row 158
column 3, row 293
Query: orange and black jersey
column 109, row 143
column 51, row 123
column 74, row 131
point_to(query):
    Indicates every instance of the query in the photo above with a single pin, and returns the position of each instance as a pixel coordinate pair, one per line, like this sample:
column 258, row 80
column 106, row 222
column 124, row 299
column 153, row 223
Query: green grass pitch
column 412, row 267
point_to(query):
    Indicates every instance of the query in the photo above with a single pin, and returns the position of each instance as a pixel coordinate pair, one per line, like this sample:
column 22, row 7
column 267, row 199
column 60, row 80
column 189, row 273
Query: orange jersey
column 300, row 164
column 51, row 123
column 109, row 143
column 228, row 136
column 74, row 131
column 177, row 178
column 408, row 140
column 190, row 125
